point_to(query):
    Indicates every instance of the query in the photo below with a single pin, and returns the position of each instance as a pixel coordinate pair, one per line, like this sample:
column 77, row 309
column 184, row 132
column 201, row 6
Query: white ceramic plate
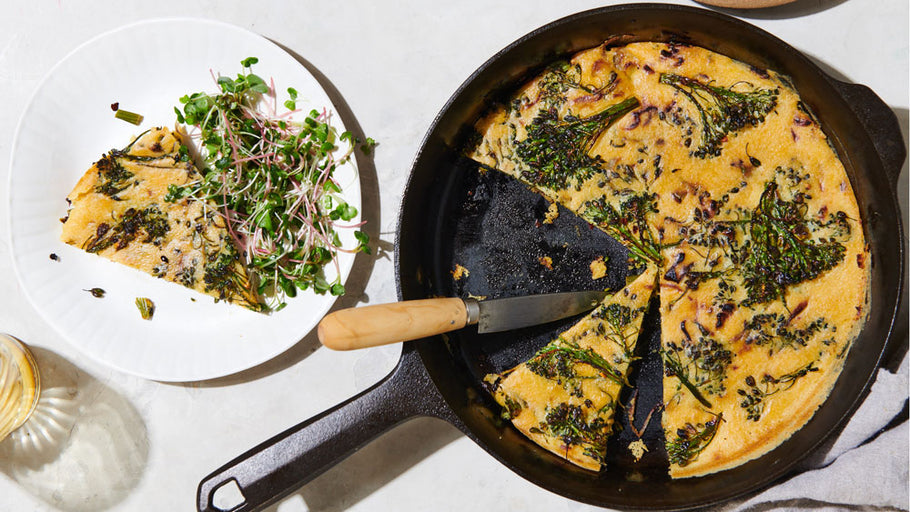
column 145, row 67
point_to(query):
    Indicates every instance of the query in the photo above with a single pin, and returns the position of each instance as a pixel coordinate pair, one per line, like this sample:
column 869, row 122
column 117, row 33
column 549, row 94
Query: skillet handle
column 880, row 122
column 277, row 467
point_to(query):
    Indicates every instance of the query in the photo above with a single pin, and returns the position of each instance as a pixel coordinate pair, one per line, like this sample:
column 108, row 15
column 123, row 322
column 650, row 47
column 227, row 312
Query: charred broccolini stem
column 150, row 220
column 781, row 253
column 674, row 367
column 691, row 440
column 223, row 274
column 617, row 317
column 754, row 396
column 112, row 177
column 628, row 224
column 773, row 246
column 511, row 409
column 558, row 360
column 722, row 110
column 556, row 150
column 562, row 76
column 774, row 331
column 699, row 364
column 571, row 425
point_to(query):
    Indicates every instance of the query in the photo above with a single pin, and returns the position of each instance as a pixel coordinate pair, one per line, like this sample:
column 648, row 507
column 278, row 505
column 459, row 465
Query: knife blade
column 515, row 312
column 371, row 326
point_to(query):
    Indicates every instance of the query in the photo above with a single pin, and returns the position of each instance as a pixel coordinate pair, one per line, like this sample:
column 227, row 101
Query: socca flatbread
column 118, row 210
column 718, row 174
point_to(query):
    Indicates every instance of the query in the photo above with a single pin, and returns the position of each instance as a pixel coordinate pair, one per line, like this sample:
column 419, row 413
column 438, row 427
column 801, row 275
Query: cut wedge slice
column 564, row 397
column 118, row 211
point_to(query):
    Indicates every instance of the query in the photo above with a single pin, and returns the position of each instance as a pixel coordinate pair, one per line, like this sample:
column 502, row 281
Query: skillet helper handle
column 370, row 326
column 880, row 122
column 274, row 469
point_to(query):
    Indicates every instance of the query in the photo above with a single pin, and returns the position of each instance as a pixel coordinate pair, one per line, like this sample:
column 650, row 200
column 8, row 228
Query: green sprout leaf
column 272, row 180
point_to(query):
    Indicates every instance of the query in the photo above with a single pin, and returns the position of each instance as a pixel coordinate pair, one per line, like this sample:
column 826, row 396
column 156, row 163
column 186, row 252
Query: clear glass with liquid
column 19, row 384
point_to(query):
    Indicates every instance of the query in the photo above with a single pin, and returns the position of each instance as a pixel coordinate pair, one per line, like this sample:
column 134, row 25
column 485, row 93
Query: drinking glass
column 19, row 384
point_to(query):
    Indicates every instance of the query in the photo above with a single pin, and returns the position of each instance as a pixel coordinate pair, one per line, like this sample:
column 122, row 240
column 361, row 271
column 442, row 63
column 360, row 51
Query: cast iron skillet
column 453, row 214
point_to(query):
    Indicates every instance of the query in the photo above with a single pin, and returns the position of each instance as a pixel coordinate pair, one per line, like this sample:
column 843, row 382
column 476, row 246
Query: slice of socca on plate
column 118, row 211
column 564, row 397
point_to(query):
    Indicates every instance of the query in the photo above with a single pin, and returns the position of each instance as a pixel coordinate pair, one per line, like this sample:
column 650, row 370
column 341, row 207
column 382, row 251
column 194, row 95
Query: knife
column 370, row 326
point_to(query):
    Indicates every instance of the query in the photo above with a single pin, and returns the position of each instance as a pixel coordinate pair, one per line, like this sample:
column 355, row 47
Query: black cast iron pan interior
column 452, row 214
column 488, row 223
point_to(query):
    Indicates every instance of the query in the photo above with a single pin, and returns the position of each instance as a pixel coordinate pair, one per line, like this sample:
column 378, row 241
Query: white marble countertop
column 136, row 445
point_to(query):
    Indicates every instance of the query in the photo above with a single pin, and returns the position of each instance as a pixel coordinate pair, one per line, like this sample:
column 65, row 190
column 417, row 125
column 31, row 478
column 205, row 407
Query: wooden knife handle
column 370, row 326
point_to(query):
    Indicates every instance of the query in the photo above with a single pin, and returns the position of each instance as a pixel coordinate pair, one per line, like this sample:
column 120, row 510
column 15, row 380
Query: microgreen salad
column 271, row 178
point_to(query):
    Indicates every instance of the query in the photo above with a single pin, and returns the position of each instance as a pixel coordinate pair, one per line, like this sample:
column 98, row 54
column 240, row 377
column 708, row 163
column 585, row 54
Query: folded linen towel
column 864, row 468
